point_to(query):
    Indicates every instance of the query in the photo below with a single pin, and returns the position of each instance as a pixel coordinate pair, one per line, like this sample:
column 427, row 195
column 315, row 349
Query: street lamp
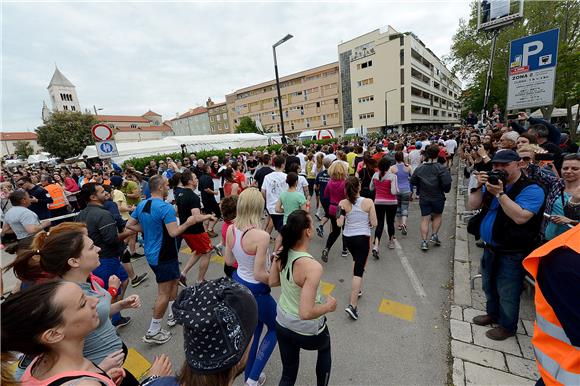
column 97, row 109
column 284, row 39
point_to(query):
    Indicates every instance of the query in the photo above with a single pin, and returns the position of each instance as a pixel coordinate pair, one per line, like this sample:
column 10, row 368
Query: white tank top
column 244, row 259
column 357, row 221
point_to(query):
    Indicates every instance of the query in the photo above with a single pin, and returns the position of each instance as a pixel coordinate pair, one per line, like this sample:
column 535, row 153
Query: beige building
column 392, row 80
column 137, row 128
column 9, row 140
column 195, row 121
column 310, row 100
column 218, row 117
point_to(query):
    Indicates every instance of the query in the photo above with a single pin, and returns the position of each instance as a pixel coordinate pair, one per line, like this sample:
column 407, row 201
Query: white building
column 63, row 95
column 8, row 141
column 137, row 128
column 193, row 122
column 392, row 80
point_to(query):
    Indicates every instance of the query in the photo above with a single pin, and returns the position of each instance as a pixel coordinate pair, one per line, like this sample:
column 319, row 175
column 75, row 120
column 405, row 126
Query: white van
column 356, row 132
column 314, row 135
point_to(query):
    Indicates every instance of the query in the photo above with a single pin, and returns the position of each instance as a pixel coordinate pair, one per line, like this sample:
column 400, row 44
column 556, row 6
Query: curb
column 461, row 265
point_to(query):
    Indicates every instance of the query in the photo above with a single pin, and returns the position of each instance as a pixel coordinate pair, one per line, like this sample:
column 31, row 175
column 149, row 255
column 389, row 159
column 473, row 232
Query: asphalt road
column 405, row 344
column 401, row 336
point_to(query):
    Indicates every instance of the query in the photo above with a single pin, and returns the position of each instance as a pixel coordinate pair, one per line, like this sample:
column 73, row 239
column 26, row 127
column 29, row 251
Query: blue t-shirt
column 322, row 180
column 530, row 198
column 146, row 191
column 153, row 214
column 552, row 229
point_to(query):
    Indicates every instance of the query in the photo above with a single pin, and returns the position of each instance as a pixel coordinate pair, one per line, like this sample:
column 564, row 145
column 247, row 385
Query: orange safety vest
column 58, row 197
column 557, row 359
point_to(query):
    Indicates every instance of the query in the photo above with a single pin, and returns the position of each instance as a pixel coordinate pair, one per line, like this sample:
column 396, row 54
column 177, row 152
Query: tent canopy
column 556, row 113
column 172, row 144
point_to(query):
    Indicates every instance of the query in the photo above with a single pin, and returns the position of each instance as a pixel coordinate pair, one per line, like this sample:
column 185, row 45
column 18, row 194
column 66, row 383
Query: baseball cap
column 505, row 156
column 116, row 181
column 219, row 318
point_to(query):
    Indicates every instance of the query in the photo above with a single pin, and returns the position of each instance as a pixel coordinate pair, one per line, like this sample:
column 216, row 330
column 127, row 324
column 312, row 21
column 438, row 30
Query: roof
column 196, row 111
column 58, row 79
column 216, row 105
column 18, row 136
column 151, row 113
column 163, row 128
column 121, row 118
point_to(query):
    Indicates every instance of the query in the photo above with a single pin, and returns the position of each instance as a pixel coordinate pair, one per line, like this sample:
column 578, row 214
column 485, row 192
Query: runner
column 248, row 245
column 358, row 216
column 403, row 172
column 301, row 320
column 334, row 192
column 274, row 184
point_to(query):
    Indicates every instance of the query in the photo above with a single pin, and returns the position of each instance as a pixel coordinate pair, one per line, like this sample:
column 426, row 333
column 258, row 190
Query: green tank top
column 290, row 298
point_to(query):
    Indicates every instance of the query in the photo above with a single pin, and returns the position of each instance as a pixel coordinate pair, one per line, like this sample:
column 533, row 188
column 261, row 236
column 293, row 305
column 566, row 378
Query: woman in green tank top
column 300, row 320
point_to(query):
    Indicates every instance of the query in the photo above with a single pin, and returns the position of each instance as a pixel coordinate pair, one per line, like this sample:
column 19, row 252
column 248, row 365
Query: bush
column 140, row 163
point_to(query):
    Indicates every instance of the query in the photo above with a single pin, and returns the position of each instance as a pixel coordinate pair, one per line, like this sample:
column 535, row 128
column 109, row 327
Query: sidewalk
column 478, row 360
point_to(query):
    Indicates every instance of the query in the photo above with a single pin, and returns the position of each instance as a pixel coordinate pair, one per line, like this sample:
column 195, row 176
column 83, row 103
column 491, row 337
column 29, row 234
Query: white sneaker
column 162, row 336
column 171, row 322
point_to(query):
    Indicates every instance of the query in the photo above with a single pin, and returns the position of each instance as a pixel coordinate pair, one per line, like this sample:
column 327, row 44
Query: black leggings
column 359, row 247
column 334, row 234
column 290, row 343
column 390, row 211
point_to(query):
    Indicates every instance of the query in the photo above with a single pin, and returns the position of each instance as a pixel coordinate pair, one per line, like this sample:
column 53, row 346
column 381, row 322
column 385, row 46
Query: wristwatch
column 499, row 195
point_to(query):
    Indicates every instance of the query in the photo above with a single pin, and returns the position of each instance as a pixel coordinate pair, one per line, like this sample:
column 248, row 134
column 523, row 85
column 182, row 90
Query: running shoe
column 325, row 255
column 435, row 240
column 375, row 254
column 183, row 280
column 391, row 244
column 404, row 230
column 162, row 336
column 344, row 253
column 171, row 321
column 138, row 279
column 317, row 216
column 122, row 322
column 351, row 311
column 424, row 245
column 320, row 231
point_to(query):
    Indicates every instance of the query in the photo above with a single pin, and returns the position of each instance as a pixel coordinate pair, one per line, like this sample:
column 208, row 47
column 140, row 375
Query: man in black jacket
column 509, row 223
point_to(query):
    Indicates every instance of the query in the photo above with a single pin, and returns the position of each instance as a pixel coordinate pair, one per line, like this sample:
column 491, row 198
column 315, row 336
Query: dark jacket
column 102, row 230
column 40, row 207
column 433, row 180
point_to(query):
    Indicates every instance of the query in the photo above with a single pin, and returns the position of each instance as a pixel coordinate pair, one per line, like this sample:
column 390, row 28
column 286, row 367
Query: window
column 324, row 120
column 402, row 57
column 402, row 113
column 365, row 82
column 218, row 117
column 65, row 107
column 366, row 99
column 401, row 40
column 402, row 94
column 317, row 104
column 364, row 65
column 366, row 116
column 72, row 108
column 133, row 125
column 402, row 76
column 335, row 101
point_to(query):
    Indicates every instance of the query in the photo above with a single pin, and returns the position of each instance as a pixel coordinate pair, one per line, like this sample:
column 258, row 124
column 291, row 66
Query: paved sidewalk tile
column 456, row 313
column 529, row 325
column 525, row 343
column 521, row 329
column 510, row 345
column 479, row 375
column 522, row 367
column 470, row 313
column 458, row 372
column 480, row 355
column 461, row 330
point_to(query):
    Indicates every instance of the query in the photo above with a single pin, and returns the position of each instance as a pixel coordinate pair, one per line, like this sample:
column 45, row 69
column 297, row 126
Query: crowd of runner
column 76, row 230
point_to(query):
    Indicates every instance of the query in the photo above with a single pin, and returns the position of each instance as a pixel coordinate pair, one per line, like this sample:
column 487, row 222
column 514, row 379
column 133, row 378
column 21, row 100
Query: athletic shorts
column 278, row 221
column 199, row 242
column 110, row 267
column 431, row 207
column 166, row 271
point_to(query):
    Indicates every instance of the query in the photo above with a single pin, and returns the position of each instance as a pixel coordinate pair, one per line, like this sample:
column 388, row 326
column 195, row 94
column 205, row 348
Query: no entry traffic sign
column 101, row 132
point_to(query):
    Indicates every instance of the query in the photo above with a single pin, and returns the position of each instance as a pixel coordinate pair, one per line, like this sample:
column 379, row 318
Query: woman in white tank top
column 358, row 216
column 247, row 243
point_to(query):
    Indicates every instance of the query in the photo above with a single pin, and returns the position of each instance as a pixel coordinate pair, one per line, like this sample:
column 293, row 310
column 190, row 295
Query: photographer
column 509, row 224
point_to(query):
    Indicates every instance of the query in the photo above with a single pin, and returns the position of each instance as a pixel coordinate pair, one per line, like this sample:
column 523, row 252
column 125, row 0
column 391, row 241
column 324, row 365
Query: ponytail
column 352, row 188
column 291, row 233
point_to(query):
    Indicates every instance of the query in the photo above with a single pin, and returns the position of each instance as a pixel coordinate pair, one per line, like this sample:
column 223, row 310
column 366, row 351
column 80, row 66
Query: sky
column 129, row 57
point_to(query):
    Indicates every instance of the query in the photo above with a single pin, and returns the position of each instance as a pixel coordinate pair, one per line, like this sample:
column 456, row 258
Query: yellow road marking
column 136, row 363
column 398, row 310
column 326, row 288
column 185, row 250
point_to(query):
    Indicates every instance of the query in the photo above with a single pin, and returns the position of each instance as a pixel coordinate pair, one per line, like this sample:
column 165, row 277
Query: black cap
column 505, row 156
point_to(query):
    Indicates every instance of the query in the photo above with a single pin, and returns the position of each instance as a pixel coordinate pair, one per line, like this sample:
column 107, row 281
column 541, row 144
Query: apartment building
column 390, row 79
column 195, row 121
column 218, row 117
column 310, row 100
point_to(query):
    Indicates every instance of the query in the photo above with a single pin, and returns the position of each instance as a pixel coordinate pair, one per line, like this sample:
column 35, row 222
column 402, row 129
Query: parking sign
column 107, row 149
column 532, row 70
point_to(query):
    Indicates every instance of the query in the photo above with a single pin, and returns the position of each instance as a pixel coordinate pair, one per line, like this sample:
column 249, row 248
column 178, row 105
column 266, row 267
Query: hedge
column 140, row 163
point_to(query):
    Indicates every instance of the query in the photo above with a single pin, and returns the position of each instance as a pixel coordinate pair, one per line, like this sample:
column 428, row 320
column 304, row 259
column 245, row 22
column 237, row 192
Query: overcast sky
column 127, row 57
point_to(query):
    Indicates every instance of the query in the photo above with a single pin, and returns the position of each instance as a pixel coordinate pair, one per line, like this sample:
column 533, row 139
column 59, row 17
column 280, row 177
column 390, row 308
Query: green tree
column 247, row 125
column 66, row 134
column 470, row 53
column 23, row 149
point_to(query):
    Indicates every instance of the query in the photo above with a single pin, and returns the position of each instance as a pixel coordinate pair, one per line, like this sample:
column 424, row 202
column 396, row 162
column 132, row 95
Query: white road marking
column 415, row 282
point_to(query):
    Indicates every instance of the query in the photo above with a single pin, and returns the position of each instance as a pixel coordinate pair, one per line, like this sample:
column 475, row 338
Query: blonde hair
column 337, row 171
column 531, row 148
column 250, row 209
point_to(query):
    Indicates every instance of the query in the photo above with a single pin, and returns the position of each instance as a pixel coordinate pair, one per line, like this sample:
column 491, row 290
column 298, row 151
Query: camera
column 494, row 176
